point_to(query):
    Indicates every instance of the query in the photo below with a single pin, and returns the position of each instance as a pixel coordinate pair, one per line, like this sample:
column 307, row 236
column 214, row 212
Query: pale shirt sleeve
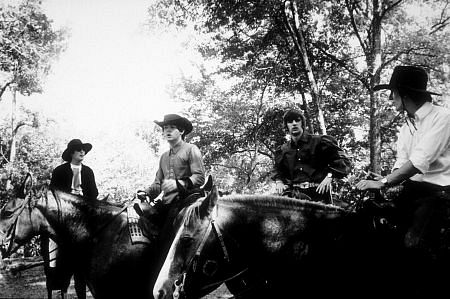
column 402, row 153
column 433, row 144
column 197, row 177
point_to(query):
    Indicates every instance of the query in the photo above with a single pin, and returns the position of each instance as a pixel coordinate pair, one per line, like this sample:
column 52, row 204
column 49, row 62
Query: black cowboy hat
column 175, row 119
column 407, row 77
column 75, row 144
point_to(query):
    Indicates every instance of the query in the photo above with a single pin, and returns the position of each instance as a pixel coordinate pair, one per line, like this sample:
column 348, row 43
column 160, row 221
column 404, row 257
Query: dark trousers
column 423, row 215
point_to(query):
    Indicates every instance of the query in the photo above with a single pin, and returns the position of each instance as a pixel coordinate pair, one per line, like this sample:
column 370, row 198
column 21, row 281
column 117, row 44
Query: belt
column 305, row 185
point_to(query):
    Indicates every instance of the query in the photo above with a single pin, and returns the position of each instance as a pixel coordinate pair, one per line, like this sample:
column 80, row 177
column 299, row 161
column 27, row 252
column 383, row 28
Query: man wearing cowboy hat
column 181, row 165
column 73, row 176
column 76, row 178
column 422, row 166
column 183, row 162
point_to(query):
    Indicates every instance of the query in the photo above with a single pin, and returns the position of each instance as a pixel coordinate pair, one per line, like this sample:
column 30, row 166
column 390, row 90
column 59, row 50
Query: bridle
column 193, row 263
column 11, row 231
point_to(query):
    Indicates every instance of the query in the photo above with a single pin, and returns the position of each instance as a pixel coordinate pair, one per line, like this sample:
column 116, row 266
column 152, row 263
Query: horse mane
column 80, row 200
column 266, row 202
column 278, row 202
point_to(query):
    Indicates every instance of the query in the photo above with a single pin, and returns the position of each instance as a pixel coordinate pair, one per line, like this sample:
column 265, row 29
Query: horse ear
column 208, row 185
column 180, row 187
column 26, row 185
column 209, row 202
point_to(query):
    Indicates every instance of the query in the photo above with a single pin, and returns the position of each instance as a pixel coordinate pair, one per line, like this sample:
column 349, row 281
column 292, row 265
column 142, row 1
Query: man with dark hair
column 307, row 163
column 423, row 168
column 73, row 176
column 180, row 167
column 182, row 163
column 76, row 178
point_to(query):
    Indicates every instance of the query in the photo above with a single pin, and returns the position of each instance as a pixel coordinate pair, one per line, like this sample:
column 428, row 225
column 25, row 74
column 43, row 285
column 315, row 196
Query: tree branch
column 389, row 8
column 2, row 90
column 342, row 63
column 355, row 28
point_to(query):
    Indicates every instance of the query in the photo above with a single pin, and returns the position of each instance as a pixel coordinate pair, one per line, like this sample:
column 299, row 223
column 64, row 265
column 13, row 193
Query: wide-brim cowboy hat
column 408, row 77
column 73, row 145
column 175, row 119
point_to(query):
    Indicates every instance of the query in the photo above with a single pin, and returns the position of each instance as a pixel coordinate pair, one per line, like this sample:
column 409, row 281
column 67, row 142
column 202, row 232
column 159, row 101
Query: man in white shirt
column 423, row 167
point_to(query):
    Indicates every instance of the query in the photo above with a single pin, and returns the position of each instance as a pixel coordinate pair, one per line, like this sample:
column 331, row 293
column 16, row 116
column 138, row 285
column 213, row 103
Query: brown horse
column 264, row 246
column 94, row 235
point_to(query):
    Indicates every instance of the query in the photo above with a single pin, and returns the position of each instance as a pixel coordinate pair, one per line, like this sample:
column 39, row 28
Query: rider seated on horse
column 181, row 167
column 307, row 163
column 423, row 169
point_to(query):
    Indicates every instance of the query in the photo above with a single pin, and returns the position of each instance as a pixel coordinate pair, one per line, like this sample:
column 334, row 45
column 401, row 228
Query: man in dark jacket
column 307, row 163
column 73, row 176
column 76, row 178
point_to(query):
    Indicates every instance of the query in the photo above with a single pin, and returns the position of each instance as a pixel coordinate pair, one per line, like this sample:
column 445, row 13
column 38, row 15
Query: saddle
column 141, row 229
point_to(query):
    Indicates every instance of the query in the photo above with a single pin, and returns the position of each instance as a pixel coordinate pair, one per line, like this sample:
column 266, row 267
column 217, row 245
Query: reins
column 179, row 284
column 11, row 232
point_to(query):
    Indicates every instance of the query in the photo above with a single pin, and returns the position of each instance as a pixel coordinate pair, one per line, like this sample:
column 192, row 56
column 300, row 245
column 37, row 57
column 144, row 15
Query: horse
column 94, row 235
column 265, row 246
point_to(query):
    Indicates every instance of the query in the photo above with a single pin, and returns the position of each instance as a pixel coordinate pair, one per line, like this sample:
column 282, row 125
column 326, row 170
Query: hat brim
column 389, row 87
column 182, row 122
column 66, row 154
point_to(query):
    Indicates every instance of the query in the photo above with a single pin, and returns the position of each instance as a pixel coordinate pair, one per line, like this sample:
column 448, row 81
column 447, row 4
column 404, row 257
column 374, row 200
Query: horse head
column 193, row 233
column 19, row 221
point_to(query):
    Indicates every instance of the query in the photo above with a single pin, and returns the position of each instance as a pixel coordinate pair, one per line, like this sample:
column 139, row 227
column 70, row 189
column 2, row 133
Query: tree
column 292, row 44
column 28, row 45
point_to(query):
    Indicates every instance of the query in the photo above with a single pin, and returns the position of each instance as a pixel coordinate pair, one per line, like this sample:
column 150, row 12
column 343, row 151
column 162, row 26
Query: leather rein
column 179, row 283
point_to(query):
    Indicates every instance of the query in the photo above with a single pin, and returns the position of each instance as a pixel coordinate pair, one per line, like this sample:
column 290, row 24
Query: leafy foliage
column 28, row 44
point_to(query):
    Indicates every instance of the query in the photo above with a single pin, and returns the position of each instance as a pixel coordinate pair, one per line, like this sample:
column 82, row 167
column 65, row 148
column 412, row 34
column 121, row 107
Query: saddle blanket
column 136, row 233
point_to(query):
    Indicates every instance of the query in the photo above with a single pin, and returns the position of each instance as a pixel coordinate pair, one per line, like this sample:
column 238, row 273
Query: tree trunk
column 374, row 64
column 12, row 152
column 305, row 107
column 299, row 41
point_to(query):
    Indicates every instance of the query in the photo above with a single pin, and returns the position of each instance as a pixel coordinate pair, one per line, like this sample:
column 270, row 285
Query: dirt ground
column 30, row 284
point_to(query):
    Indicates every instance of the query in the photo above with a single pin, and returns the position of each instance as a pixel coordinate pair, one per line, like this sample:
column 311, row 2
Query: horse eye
column 6, row 214
column 210, row 267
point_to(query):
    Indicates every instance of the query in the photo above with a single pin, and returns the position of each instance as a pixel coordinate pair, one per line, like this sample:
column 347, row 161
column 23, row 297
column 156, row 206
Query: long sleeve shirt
column 182, row 162
column 428, row 147
column 62, row 180
column 310, row 160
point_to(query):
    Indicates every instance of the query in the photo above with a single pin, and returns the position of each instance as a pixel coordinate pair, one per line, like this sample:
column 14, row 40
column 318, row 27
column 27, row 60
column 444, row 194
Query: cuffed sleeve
column 197, row 177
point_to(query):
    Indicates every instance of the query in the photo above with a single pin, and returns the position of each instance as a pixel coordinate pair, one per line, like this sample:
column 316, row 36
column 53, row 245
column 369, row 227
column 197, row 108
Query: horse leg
column 80, row 285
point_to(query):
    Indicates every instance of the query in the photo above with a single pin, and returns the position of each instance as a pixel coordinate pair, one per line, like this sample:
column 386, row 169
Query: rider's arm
column 338, row 163
column 197, row 177
column 400, row 174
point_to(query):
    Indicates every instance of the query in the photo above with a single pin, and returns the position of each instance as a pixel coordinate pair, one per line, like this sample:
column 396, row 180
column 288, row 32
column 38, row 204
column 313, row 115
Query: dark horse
column 94, row 235
column 274, row 247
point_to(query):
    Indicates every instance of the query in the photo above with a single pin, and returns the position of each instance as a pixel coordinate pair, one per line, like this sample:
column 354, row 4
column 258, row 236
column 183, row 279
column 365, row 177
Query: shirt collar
column 177, row 147
column 304, row 139
column 423, row 111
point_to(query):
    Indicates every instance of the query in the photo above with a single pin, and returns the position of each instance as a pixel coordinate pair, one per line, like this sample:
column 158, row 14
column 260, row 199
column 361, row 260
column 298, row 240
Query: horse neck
column 63, row 217
column 249, row 222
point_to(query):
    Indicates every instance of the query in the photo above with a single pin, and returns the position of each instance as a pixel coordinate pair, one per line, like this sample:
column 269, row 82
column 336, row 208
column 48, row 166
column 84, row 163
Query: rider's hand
column 325, row 185
column 169, row 185
column 279, row 187
column 369, row 184
column 142, row 195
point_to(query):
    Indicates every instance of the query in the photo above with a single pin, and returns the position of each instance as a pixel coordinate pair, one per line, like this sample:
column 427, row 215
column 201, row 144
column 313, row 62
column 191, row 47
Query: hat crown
column 74, row 142
column 411, row 77
column 171, row 117
column 175, row 119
